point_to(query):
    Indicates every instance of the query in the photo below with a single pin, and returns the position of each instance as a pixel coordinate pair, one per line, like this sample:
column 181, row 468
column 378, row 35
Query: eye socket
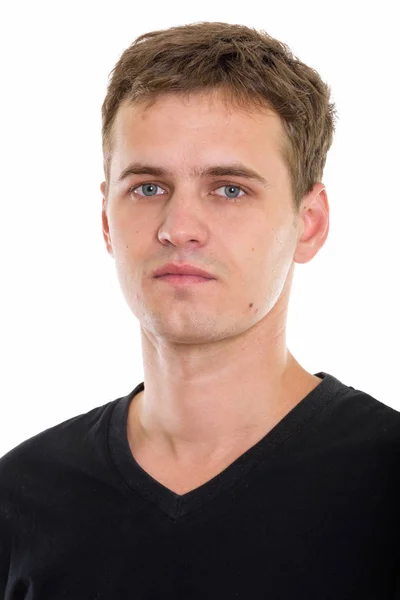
column 151, row 188
column 228, row 189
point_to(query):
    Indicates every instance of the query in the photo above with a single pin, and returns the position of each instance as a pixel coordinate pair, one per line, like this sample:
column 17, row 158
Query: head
column 193, row 103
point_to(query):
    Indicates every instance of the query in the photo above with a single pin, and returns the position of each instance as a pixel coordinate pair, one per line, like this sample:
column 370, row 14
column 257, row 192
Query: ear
column 313, row 224
column 104, row 218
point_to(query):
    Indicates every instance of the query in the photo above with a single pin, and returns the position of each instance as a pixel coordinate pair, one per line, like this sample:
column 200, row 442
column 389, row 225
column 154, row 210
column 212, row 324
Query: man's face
column 241, row 230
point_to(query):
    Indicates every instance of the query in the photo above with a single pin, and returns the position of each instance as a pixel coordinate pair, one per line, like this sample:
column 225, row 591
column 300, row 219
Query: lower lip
column 183, row 279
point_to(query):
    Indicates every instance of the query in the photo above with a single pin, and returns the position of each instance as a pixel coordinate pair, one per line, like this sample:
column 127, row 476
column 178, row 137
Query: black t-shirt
column 310, row 512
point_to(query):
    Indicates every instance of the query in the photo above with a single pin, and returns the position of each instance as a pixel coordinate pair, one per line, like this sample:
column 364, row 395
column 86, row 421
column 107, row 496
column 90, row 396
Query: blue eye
column 149, row 189
column 232, row 191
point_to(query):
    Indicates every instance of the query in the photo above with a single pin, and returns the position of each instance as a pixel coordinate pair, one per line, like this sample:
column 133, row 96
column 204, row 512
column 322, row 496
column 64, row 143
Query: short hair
column 252, row 70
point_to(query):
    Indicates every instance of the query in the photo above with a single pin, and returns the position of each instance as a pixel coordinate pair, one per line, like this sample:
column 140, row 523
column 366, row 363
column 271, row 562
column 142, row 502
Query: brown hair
column 253, row 70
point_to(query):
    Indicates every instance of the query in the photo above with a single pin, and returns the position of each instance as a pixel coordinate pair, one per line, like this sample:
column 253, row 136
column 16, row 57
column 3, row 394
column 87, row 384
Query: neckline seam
column 177, row 505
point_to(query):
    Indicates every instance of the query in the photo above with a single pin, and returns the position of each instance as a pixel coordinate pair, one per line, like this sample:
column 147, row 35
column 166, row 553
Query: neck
column 200, row 418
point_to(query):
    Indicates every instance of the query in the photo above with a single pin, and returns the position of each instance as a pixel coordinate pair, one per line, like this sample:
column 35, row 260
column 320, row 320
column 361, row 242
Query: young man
column 231, row 471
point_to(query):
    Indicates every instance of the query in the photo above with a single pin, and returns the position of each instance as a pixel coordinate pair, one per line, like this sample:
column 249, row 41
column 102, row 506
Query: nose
column 184, row 221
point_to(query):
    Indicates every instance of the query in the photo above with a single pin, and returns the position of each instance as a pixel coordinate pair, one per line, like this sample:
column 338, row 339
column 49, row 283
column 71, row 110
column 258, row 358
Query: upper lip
column 184, row 269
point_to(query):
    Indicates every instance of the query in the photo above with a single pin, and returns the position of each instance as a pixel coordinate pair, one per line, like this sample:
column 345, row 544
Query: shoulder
column 355, row 403
column 370, row 411
column 68, row 442
column 358, row 424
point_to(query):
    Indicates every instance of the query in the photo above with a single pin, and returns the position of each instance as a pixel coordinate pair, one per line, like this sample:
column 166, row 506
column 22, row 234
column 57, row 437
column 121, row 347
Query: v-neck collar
column 176, row 505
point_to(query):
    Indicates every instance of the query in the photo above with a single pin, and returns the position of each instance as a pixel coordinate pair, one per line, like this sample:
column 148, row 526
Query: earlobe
column 315, row 224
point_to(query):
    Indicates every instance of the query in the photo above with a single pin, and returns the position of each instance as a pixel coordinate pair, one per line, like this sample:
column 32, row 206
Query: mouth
column 185, row 280
column 182, row 269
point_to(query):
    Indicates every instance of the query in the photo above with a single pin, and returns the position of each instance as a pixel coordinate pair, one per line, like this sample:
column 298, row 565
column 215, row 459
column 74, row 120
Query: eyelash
column 132, row 190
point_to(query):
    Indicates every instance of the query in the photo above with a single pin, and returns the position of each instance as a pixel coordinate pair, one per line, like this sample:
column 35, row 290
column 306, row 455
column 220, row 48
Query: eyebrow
column 236, row 169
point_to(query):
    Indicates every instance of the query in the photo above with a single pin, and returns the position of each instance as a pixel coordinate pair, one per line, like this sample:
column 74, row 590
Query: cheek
column 125, row 233
column 268, row 263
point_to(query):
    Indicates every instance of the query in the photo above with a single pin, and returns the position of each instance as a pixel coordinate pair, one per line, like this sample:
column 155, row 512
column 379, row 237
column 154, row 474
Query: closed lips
column 172, row 269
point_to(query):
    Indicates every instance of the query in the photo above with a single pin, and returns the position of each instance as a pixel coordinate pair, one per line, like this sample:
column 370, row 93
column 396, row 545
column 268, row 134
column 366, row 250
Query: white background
column 69, row 342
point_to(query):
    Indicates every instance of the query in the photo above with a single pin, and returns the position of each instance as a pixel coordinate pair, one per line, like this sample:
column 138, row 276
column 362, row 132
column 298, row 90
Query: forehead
column 194, row 111
column 195, row 128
